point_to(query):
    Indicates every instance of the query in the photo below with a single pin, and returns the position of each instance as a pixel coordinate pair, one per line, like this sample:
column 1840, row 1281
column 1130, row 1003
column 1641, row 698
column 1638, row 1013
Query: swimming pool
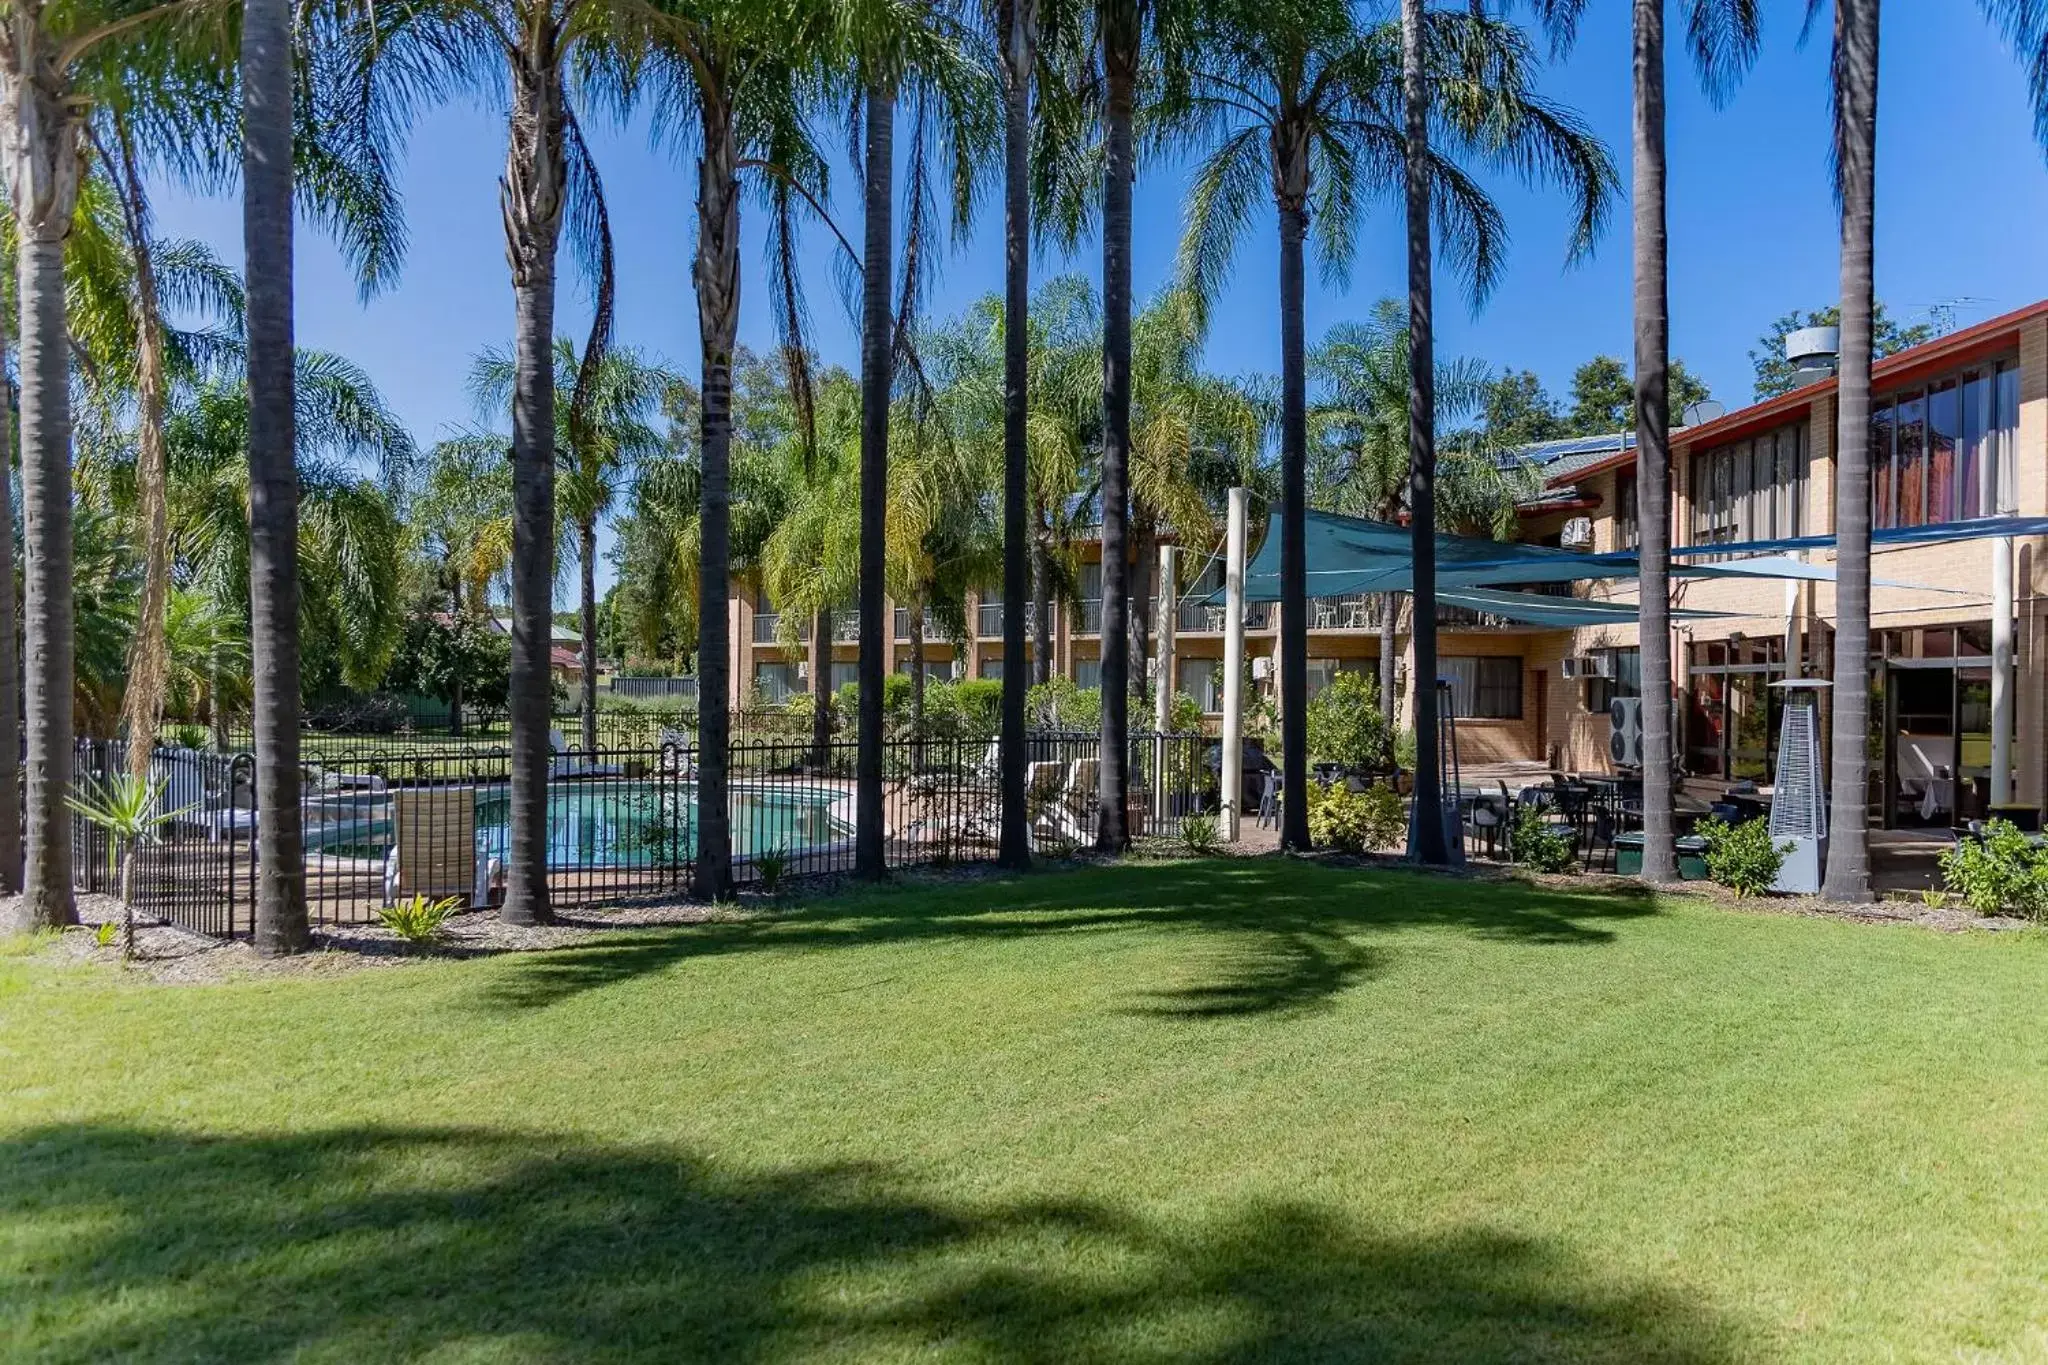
column 617, row 824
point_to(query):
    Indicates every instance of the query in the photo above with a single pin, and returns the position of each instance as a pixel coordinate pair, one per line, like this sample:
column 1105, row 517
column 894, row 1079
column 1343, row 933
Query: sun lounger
column 433, row 845
column 568, row 763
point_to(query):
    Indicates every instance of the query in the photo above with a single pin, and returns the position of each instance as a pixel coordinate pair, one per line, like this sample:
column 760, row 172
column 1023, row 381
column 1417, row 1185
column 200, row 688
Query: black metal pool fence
column 385, row 820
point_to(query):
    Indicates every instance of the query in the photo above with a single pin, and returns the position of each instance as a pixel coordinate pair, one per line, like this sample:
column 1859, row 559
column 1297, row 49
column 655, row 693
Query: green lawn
column 1204, row 1111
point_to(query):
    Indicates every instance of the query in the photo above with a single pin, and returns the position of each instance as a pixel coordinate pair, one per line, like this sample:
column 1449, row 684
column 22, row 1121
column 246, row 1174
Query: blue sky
column 1962, row 192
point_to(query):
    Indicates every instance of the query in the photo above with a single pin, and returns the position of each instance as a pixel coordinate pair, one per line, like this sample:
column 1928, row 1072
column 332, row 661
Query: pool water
column 622, row 824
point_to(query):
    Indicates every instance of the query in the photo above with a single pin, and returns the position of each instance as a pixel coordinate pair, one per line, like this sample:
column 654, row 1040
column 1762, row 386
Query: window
column 1945, row 452
column 776, row 683
column 1751, row 490
column 844, row 673
column 1202, row 679
column 1625, row 532
column 1087, row 673
column 1484, row 688
column 1625, row 678
column 992, row 668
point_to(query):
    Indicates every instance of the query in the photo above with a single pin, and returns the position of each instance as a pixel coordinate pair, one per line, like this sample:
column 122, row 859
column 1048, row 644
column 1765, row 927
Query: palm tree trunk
column 1014, row 845
column 586, row 535
column 1041, row 614
column 533, row 194
column 47, row 610
column 1427, row 823
column 147, row 665
column 1293, row 510
column 1120, row 67
column 280, row 923
column 717, row 275
column 1855, row 68
column 1145, row 593
column 1390, row 701
column 916, row 614
column 1653, row 442
column 455, row 681
column 877, row 642
column 10, row 663
column 821, row 690
column 42, row 171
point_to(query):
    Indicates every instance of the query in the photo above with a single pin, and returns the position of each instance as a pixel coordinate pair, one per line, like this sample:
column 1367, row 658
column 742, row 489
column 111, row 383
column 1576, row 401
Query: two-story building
column 1959, row 432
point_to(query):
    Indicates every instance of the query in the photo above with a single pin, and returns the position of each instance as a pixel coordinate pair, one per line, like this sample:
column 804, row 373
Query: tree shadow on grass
column 371, row 1244
column 1296, row 928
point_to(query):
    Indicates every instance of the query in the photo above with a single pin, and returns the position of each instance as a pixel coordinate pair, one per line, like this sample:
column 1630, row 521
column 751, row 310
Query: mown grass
column 1202, row 1111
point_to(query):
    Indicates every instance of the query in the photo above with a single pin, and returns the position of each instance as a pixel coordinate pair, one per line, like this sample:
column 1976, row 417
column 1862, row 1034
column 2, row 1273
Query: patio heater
column 1799, row 803
column 1448, row 776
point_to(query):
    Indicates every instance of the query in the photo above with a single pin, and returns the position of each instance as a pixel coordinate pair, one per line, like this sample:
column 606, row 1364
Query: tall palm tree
column 604, row 432
column 1722, row 37
column 43, row 64
column 1359, row 455
column 1855, row 80
column 1016, row 24
column 877, row 382
column 1299, row 99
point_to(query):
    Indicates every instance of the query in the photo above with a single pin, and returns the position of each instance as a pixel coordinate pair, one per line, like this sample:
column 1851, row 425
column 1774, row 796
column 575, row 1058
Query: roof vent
column 1813, row 352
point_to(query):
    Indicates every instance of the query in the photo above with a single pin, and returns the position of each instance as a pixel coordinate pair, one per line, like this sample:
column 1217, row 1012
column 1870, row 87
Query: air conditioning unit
column 1588, row 666
column 1262, row 669
column 1577, row 534
column 1625, row 736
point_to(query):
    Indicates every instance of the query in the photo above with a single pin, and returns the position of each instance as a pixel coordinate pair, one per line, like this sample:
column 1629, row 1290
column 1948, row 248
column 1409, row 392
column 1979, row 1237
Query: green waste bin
column 1692, row 857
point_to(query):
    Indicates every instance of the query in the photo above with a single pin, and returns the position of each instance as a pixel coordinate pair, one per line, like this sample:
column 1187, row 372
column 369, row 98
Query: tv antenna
column 1944, row 313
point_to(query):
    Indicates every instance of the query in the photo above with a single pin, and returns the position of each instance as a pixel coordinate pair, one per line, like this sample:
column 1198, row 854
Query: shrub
column 1356, row 822
column 1742, row 857
column 1539, row 846
column 1345, row 724
column 1200, row 835
column 417, row 919
column 189, row 736
column 1058, row 704
column 2001, row 873
column 771, row 866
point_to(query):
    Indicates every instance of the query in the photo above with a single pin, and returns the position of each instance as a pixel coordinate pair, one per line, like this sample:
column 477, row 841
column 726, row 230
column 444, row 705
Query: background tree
column 1604, row 395
column 1774, row 373
column 1515, row 409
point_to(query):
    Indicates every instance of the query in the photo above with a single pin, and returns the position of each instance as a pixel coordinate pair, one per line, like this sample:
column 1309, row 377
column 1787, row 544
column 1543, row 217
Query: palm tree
column 1016, row 24
column 613, row 404
column 1359, row 453
column 877, row 380
column 1297, row 98
column 1855, row 79
column 41, row 66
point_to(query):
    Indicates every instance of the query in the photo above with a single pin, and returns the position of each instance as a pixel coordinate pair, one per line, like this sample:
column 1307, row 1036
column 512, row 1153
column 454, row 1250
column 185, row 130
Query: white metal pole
column 1232, row 774
column 1162, row 691
column 2001, row 670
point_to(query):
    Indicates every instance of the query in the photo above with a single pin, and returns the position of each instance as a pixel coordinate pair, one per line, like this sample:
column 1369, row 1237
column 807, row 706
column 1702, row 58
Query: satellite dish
column 1706, row 410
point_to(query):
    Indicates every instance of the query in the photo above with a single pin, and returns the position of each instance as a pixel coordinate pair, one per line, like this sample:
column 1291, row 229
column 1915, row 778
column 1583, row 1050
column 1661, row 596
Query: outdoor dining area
column 1600, row 814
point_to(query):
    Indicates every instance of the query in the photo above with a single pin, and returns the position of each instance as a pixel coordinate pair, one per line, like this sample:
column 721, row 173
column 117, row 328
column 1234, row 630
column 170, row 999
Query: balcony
column 765, row 623
column 931, row 625
column 1091, row 616
column 1199, row 618
column 988, row 621
column 1355, row 611
column 845, row 627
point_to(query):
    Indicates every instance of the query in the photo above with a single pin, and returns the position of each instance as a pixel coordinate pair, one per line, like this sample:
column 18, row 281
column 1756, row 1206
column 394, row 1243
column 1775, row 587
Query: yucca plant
column 126, row 807
column 418, row 919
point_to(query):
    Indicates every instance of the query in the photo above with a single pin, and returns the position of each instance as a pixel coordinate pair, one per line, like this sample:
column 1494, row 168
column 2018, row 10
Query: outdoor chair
column 1604, row 831
column 568, row 763
column 1269, row 800
column 433, row 846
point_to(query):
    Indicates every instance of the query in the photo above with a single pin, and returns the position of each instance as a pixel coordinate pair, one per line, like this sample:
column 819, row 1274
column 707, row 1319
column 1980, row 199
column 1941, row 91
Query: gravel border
column 169, row 955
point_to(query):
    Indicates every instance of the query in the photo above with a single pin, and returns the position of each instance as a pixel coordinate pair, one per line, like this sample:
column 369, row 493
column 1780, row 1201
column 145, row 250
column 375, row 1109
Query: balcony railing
column 765, row 623
column 988, row 620
column 845, row 627
column 931, row 624
column 1199, row 618
column 1357, row 611
column 1091, row 616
